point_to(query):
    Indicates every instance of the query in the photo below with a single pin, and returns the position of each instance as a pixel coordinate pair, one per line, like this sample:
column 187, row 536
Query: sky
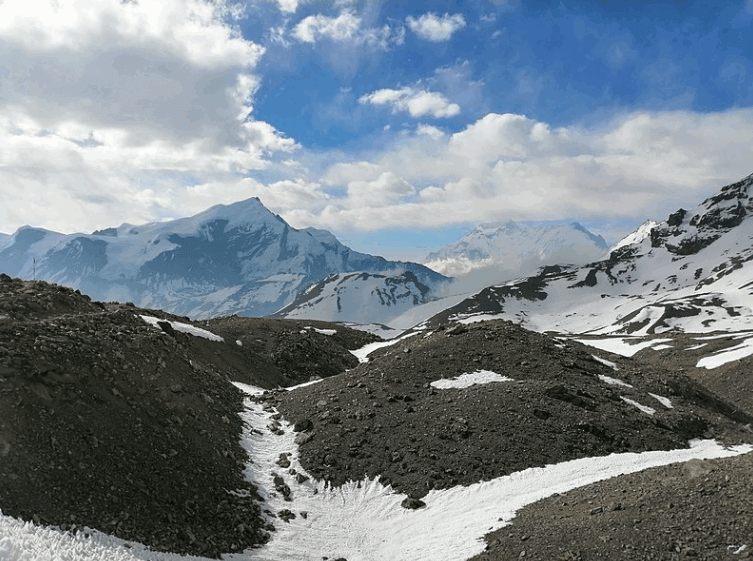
column 395, row 125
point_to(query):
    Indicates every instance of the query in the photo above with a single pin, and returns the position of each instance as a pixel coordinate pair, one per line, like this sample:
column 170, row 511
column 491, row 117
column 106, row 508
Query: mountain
column 517, row 248
column 691, row 272
column 359, row 298
column 234, row 259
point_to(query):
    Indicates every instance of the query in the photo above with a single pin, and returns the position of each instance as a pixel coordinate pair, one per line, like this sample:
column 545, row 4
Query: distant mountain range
column 235, row 259
column 517, row 249
column 691, row 272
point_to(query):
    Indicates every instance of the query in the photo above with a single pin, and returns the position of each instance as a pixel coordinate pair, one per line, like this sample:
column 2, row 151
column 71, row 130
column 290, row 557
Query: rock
column 411, row 503
column 303, row 425
column 283, row 461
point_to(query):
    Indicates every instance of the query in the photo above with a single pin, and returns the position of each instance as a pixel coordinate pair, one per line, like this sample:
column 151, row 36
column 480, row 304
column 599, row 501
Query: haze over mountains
column 512, row 248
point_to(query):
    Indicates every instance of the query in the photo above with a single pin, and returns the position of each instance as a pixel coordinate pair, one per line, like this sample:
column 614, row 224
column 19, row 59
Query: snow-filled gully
column 360, row 521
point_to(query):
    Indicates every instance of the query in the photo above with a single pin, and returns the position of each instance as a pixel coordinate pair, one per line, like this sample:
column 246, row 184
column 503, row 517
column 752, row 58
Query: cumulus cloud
column 346, row 27
column 640, row 165
column 413, row 101
column 434, row 28
column 99, row 95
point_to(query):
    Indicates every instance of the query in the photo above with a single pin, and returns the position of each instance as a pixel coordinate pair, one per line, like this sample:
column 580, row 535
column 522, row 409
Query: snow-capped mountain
column 230, row 259
column 691, row 272
column 360, row 298
column 518, row 249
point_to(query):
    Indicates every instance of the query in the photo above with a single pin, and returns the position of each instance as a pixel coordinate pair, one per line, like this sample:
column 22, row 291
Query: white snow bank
column 644, row 408
column 737, row 352
column 469, row 379
column 185, row 328
column 606, row 362
column 614, row 381
column 621, row 345
column 363, row 353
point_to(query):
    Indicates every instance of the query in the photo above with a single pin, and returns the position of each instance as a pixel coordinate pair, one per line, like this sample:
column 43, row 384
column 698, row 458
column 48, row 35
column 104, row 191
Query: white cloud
column 346, row 27
column 432, row 27
column 288, row 6
column 101, row 94
column 431, row 131
column 641, row 165
column 416, row 102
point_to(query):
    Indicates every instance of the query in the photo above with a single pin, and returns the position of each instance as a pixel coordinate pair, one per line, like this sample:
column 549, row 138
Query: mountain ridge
column 238, row 258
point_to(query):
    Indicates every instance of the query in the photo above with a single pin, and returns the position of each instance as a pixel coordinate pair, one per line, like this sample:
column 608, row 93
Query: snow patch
column 184, row 328
column 363, row 353
column 469, row 379
column 605, row 362
column 623, row 346
column 614, row 381
column 663, row 400
column 742, row 350
column 644, row 408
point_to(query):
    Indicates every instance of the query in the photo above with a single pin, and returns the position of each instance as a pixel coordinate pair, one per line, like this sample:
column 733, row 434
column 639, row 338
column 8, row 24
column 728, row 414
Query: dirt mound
column 698, row 510
column 111, row 422
column 385, row 418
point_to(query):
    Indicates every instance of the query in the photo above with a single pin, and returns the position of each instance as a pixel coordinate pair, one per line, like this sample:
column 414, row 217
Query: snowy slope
column 359, row 298
column 516, row 248
column 239, row 258
column 691, row 273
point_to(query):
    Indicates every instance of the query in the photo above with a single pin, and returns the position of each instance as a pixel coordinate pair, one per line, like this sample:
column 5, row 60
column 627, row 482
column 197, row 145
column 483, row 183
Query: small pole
column 35, row 268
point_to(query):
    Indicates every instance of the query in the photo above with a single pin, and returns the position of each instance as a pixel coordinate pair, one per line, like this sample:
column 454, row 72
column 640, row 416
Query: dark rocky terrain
column 112, row 423
column 384, row 418
column 700, row 509
column 109, row 422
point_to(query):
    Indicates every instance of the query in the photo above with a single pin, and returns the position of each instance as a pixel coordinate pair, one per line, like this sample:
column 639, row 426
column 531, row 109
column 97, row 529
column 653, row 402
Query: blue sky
column 396, row 125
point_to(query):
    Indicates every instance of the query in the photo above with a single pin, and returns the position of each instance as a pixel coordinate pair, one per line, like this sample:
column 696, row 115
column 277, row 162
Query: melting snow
column 323, row 331
column 614, row 381
column 469, row 379
column 742, row 350
column 185, row 328
column 644, row 408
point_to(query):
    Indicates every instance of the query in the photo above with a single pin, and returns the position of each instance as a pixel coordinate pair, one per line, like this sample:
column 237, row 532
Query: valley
column 586, row 412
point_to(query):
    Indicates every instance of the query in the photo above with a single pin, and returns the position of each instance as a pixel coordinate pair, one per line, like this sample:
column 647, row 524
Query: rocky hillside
column 689, row 273
column 124, row 419
column 406, row 416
